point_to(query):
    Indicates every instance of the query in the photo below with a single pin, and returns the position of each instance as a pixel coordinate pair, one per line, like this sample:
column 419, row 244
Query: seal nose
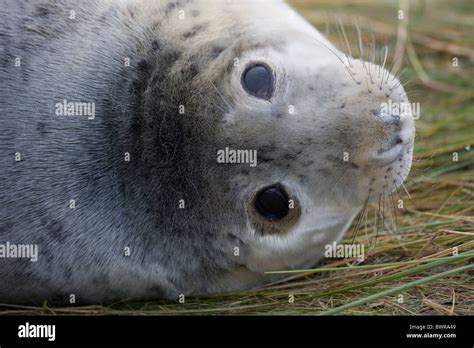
column 388, row 120
column 394, row 141
column 392, row 125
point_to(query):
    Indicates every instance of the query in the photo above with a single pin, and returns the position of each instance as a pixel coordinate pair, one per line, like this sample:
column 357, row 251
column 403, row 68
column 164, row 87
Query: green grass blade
column 396, row 290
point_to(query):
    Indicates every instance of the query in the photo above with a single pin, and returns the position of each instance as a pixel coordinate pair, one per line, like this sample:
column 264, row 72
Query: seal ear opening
column 273, row 210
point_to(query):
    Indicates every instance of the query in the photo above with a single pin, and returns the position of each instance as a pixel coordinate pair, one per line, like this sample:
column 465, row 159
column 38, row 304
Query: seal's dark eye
column 272, row 202
column 257, row 80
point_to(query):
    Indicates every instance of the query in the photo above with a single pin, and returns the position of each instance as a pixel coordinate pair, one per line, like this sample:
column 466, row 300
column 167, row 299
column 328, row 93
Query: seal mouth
column 391, row 144
column 386, row 157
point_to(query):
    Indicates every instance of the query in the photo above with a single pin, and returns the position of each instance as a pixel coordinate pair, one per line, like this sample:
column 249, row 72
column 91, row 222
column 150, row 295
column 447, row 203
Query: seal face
column 110, row 128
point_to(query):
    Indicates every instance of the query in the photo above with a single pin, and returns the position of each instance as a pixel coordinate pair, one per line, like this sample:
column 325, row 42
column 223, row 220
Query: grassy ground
column 411, row 266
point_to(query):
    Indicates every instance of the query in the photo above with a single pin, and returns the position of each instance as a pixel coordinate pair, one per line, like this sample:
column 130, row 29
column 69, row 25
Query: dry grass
column 414, row 257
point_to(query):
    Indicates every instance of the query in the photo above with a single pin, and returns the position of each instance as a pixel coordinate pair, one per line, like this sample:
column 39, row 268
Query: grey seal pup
column 158, row 149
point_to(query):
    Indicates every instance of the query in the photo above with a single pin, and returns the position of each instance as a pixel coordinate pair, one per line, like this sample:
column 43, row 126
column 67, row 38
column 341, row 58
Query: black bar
column 381, row 331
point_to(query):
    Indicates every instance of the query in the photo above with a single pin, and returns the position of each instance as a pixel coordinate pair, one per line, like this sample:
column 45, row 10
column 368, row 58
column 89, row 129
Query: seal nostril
column 272, row 202
column 395, row 119
column 390, row 144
